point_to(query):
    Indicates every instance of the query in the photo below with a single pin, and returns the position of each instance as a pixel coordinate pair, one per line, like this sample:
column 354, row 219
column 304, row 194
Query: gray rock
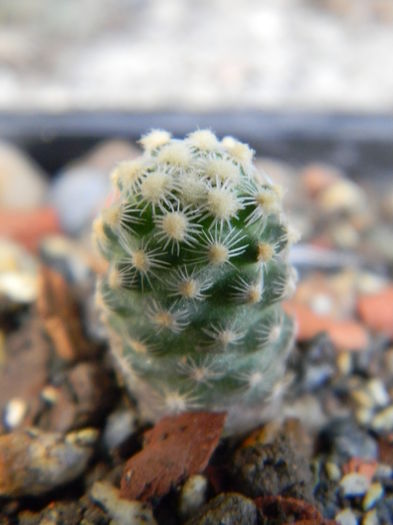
column 77, row 193
column 23, row 185
column 119, row 426
column 33, row 462
column 346, row 439
column 227, row 509
column 272, row 469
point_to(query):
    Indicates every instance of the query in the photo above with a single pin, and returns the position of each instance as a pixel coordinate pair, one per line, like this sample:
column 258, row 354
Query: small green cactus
column 197, row 245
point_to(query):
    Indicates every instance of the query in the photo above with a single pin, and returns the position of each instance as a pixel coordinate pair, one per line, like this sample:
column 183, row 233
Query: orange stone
column 376, row 310
column 29, row 227
column 345, row 334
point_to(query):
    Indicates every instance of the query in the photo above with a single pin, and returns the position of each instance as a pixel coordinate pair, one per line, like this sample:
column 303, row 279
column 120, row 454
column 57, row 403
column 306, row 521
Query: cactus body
column 197, row 244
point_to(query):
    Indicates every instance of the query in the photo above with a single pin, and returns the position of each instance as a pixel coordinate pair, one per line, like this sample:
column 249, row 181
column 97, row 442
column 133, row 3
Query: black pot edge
column 359, row 143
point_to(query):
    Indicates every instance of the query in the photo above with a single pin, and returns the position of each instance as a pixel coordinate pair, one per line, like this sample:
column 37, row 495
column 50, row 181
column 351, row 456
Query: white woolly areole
column 193, row 189
column 127, row 173
column 155, row 139
column 222, row 203
column 222, row 169
column 175, row 153
column 156, row 186
column 203, row 139
column 174, row 225
column 218, row 254
column 239, row 151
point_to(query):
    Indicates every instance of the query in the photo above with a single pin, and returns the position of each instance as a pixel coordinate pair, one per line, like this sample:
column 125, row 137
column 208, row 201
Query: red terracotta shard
column 29, row 227
column 176, row 448
column 345, row 334
column 376, row 310
column 290, row 510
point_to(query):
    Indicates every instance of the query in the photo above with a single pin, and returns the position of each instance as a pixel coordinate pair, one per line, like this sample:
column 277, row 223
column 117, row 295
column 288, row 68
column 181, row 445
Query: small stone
column 383, row 471
column 34, row 462
column 376, row 310
column 364, row 415
column 370, row 518
column 354, row 484
column 383, row 421
column 344, row 362
column 346, row 517
column 28, row 228
column 19, row 287
column 14, row 412
column 345, row 438
column 192, row 495
column 333, row 471
column 362, row 398
column 277, row 468
column 341, row 196
column 229, row 509
column 77, row 192
column 23, row 184
column 119, row 426
column 374, row 493
column 122, row 511
column 378, row 391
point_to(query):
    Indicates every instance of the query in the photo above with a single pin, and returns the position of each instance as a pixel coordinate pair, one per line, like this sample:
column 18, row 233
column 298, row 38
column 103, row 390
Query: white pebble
column 193, row 495
column 15, row 412
column 383, row 420
column 374, row 493
column 354, row 484
column 19, row 286
column 120, row 425
column 122, row 511
column 333, row 471
column 346, row 517
column 378, row 392
column 383, row 471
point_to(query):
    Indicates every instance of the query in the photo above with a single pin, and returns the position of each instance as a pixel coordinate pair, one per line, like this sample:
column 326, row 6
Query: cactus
column 197, row 246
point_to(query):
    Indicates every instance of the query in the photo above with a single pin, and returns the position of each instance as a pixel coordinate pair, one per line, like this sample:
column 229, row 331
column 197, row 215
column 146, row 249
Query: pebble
column 14, row 413
column 378, row 391
column 18, row 171
column 192, row 495
column 341, row 195
column 33, row 462
column 333, row 471
column 370, row 518
column 229, row 508
column 383, row 471
column 348, row 440
column 344, row 362
column 354, row 484
column 121, row 511
column 383, row 421
column 374, row 493
column 346, row 517
column 77, row 193
column 120, row 425
column 19, row 287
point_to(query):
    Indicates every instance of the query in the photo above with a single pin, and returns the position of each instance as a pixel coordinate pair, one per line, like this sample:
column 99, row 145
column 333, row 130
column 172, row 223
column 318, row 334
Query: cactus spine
column 197, row 245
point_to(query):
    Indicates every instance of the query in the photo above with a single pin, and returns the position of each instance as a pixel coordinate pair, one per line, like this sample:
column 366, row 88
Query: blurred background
column 307, row 83
column 196, row 55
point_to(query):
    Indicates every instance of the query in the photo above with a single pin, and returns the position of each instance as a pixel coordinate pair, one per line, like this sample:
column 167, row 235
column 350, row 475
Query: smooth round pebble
column 192, row 495
column 14, row 412
column 370, row 518
column 354, row 484
column 346, row 517
column 77, row 193
column 119, row 426
column 383, row 421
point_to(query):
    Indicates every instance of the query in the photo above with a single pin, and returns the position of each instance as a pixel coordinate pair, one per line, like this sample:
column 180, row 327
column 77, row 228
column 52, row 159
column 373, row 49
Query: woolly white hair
column 176, row 226
column 154, row 139
column 203, row 139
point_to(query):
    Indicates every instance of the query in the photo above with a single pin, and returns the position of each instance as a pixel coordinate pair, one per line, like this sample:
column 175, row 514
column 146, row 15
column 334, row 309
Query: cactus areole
column 197, row 243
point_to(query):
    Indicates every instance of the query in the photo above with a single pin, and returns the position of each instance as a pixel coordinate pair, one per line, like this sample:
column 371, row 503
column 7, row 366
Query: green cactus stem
column 197, row 243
